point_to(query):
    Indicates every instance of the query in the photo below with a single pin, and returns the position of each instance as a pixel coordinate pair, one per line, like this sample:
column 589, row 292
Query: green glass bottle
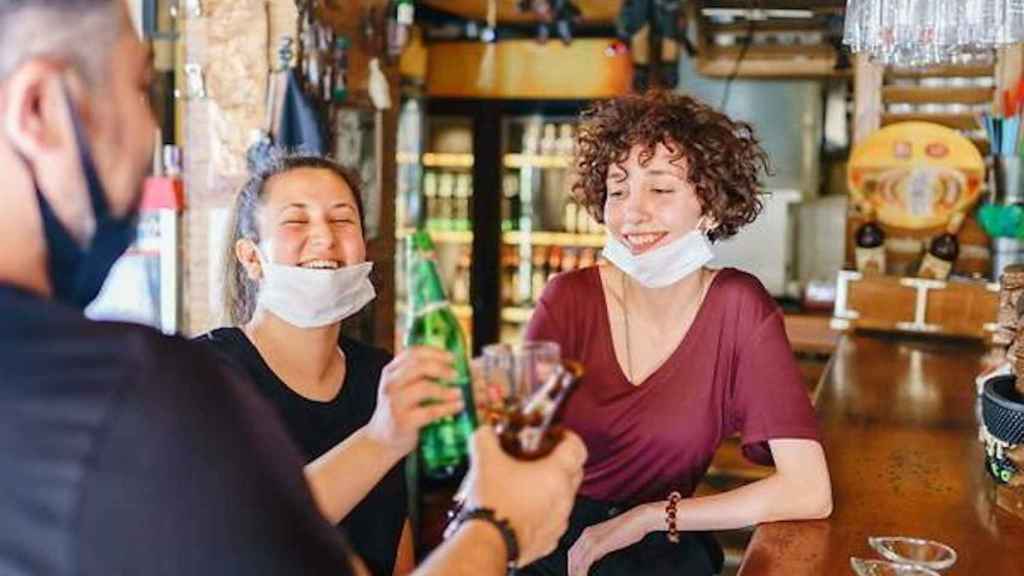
column 444, row 444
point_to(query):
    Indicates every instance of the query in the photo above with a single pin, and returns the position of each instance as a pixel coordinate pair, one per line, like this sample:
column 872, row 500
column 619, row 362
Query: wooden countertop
column 900, row 432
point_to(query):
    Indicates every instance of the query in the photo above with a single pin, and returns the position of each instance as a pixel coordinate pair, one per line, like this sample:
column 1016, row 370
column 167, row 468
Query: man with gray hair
column 124, row 451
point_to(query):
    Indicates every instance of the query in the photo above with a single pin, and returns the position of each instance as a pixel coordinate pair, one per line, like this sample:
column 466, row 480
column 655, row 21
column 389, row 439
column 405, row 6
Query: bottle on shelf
column 402, row 19
column 509, row 271
column 539, row 276
column 460, row 284
column 549, row 141
column 462, row 200
column 443, row 444
column 554, row 261
column 430, row 198
column 588, row 257
column 531, row 139
column 943, row 251
column 445, row 194
column 571, row 219
column 585, row 224
column 566, row 140
column 509, row 202
column 869, row 250
column 520, row 281
column 570, row 259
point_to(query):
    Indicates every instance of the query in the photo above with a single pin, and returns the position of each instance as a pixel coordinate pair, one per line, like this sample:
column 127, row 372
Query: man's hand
column 536, row 497
column 602, row 539
column 409, row 397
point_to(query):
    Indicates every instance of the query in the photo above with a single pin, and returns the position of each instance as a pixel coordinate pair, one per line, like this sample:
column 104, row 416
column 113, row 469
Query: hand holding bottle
column 409, row 397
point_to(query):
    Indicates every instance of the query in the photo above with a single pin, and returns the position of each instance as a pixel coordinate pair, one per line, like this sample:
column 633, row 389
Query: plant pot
column 1002, row 408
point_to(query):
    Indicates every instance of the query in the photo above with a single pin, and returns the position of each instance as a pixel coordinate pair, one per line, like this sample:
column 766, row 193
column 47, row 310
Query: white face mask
column 662, row 266
column 311, row 298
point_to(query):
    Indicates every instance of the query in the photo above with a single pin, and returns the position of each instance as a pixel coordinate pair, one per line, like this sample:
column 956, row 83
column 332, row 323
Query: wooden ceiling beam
column 825, row 5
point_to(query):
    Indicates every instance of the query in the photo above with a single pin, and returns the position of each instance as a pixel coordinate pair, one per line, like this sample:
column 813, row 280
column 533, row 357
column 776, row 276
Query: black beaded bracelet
column 507, row 533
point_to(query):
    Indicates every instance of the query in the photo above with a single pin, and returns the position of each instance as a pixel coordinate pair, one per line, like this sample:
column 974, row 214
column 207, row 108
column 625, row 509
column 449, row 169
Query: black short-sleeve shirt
column 375, row 525
column 124, row 451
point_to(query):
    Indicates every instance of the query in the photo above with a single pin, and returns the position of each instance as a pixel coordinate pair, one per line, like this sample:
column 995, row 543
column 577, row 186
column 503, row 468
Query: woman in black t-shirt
column 296, row 267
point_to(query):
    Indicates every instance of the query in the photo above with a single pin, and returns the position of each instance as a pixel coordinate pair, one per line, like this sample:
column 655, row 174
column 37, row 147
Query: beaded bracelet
column 670, row 516
column 507, row 533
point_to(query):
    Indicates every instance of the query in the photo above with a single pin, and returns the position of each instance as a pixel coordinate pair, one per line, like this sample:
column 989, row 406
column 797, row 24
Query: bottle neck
column 425, row 290
column 955, row 223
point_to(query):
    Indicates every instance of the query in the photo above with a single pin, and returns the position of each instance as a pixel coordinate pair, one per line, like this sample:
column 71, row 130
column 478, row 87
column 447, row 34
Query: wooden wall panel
column 525, row 69
column 599, row 11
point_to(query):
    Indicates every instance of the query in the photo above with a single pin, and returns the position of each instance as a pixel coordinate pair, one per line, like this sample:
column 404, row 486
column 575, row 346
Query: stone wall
column 234, row 41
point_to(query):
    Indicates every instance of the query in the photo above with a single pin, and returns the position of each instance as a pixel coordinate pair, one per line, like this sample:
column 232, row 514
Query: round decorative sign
column 916, row 175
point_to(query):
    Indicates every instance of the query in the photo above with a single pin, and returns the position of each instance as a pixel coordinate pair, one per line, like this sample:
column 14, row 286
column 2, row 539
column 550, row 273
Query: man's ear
column 35, row 115
column 249, row 257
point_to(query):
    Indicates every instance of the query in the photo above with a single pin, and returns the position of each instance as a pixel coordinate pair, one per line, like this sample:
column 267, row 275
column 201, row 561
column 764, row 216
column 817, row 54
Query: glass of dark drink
column 519, row 390
column 509, row 373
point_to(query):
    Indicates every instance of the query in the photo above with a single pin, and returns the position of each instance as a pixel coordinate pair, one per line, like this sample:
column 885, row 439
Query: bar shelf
column 536, row 161
column 447, row 160
column 441, row 236
column 516, row 314
column 568, row 239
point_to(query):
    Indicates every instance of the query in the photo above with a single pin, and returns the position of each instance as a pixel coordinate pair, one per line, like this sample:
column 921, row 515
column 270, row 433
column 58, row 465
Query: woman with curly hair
column 678, row 356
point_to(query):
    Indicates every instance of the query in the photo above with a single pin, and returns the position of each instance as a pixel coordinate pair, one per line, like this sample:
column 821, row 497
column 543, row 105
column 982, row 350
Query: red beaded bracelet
column 670, row 516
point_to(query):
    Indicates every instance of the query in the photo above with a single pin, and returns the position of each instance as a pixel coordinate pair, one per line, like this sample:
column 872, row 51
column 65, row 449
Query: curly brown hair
column 724, row 159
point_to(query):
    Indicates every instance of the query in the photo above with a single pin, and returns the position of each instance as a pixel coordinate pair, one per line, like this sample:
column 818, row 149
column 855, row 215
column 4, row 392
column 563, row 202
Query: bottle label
column 430, row 308
column 935, row 268
column 870, row 260
column 406, row 13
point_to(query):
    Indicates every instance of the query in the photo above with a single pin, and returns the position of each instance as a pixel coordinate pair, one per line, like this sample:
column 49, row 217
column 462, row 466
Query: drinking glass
column 915, row 551
column 518, row 389
column 863, row 567
column 511, row 373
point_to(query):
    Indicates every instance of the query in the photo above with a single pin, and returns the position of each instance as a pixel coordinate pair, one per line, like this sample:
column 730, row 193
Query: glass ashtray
column 925, row 553
column 863, row 567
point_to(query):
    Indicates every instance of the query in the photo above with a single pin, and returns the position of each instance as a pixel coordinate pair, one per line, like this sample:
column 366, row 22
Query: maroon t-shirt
column 733, row 372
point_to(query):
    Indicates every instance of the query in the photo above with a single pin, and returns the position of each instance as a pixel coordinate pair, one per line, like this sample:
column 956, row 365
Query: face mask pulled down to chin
column 313, row 298
column 77, row 271
column 664, row 265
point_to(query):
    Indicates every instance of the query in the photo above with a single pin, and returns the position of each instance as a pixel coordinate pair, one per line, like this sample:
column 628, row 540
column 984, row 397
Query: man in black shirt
column 123, row 451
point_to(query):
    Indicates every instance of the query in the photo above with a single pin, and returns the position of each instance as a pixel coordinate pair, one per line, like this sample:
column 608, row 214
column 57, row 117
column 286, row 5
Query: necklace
column 625, row 318
column 625, row 326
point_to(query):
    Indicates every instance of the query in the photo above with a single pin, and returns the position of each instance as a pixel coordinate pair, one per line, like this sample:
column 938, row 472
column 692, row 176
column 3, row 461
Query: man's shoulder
column 161, row 355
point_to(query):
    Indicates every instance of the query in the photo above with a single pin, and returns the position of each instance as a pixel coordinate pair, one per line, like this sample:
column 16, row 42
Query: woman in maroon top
column 678, row 356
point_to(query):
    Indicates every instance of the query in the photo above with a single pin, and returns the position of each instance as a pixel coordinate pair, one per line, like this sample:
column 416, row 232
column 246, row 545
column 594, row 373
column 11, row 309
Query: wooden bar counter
column 900, row 432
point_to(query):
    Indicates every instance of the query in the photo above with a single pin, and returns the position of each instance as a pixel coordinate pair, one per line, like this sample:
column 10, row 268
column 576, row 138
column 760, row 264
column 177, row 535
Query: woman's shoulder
column 741, row 283
column 743, row 293
column 219, row 336
column 357, row 351
column 227, row 340
column 574, row 284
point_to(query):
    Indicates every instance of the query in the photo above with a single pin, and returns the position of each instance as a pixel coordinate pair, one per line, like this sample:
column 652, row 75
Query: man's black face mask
column 76, row 272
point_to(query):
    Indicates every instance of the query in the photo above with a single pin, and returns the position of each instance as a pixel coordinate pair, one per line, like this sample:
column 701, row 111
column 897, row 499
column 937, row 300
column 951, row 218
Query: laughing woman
column 678, row 356
column 297, row 268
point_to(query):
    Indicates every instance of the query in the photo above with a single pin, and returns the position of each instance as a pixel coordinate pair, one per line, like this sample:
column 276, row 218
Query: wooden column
column 234, row 42
column 381, row 250
column 867, row 98
column 485, row 289
column 1009, row 68
column 228, row 43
